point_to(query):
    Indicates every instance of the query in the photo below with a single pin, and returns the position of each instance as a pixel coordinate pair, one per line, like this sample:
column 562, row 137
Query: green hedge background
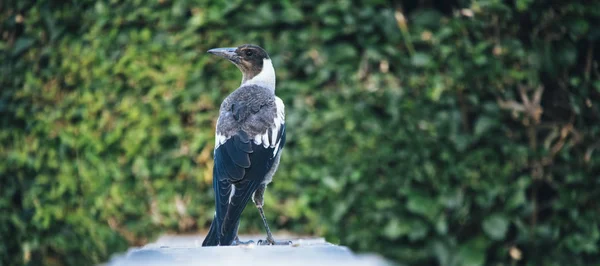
column 431, row 132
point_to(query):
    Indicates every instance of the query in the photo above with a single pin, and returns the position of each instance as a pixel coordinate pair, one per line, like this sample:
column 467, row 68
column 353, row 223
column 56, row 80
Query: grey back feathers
column 253, row 109
column 249, row 108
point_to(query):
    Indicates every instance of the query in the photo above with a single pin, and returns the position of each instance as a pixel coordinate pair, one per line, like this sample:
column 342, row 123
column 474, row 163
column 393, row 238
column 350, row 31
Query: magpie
column 250, row 135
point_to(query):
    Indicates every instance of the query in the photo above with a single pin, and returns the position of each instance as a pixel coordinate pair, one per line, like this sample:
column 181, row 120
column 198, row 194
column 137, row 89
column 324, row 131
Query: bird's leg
column 259, row 201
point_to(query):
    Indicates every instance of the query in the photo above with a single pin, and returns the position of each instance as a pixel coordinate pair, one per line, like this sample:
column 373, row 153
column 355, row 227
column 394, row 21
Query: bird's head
column 253, row 61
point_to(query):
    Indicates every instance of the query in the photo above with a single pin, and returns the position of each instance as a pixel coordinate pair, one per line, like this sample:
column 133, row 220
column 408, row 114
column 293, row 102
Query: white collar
column 266, row 77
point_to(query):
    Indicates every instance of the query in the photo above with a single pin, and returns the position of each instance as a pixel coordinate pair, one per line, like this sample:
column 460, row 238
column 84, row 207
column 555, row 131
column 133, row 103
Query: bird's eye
column 249, row 53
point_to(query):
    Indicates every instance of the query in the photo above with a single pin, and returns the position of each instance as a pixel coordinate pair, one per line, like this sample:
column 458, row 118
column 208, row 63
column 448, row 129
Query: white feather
column 258, row 139
column 273, row 136
column 266, row 77
column 279, row 121
column 276, row 148
column 265, row 139
column 272, row 141
column 280, row 118
column 219, row 140
column 231, row 193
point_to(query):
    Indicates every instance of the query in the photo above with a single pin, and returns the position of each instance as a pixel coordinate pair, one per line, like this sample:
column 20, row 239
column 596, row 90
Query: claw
column 237, row 242
column 272, row 242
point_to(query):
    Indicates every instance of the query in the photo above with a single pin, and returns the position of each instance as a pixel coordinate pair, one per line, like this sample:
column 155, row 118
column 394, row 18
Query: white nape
column 266, row 77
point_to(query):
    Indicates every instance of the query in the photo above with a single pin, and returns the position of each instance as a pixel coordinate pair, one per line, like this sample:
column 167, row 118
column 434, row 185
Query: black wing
column 240, row 167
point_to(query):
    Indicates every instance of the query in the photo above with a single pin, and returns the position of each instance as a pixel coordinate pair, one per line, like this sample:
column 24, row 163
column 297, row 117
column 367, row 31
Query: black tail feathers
column 212, row 238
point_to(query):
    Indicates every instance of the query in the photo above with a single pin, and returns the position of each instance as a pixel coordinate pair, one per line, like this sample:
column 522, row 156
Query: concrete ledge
column 187, row 250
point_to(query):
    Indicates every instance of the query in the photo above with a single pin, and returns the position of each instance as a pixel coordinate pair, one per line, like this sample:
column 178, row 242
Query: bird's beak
column 228, row 53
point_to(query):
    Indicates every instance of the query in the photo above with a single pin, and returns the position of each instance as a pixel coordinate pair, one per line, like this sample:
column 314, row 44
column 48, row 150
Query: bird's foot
column 237, row 242
column 272, row 242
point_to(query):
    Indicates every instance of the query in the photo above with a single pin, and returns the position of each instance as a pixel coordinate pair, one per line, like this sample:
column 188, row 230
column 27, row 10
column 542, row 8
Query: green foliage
column 435, row 133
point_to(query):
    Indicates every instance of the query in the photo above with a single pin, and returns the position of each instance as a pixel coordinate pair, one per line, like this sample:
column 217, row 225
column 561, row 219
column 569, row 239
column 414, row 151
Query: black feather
column 212, row 238
column 233, row 171
column 239, row 157
column 243, row 143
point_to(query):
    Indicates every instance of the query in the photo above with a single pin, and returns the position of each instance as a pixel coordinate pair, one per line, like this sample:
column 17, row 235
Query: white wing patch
column 279, row 121
column 266, row 140
column 258, row 139
column 219, row 140
column 271, row 141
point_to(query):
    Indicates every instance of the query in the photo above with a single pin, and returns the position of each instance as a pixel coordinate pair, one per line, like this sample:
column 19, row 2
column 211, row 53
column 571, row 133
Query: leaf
column 428, row 18
column 523, row 5
column 22, row 44
column 472, row 253
column 495, row 226
column 442, row 252
column 426, row 206
column 418, row 230
column 343, row 51
column 420, row 59
column 483, row 125
column 438, row 88
column 395, row 229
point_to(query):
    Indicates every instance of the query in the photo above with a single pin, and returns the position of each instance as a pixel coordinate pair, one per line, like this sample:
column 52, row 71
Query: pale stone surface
column 187, row 251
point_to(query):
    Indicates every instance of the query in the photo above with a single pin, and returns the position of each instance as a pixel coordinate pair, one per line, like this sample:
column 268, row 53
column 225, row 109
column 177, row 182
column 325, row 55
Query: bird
column 250, row 135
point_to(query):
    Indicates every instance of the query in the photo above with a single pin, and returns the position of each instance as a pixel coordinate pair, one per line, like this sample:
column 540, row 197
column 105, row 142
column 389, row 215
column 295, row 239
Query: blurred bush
column 437, row 133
